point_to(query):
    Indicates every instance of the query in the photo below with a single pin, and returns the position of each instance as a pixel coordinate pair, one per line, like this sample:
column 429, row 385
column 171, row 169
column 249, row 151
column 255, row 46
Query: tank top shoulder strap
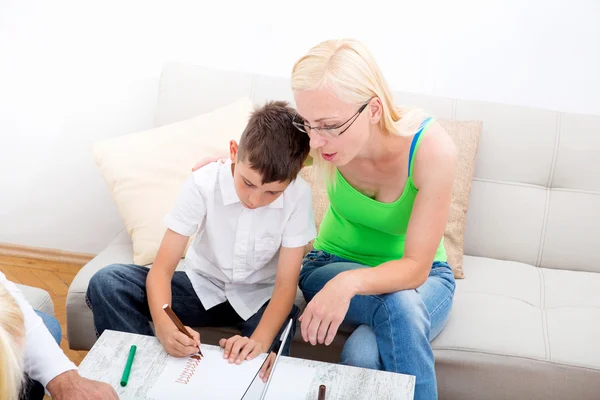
column 414, row 146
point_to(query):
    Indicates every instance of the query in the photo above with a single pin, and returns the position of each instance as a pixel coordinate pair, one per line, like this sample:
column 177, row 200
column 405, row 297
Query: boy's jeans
column 117, row 296
column 393, row 331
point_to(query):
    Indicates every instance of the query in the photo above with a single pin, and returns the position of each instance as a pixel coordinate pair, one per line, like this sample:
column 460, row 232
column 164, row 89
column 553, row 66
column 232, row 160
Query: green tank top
column 359, row 228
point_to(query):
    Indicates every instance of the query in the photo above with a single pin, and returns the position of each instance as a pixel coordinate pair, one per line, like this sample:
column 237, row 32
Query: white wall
column 73, row 72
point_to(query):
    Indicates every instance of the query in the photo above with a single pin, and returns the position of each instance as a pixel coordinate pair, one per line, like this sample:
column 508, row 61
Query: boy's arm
column 183, row 221
column 282, row 300
column 238, row 349
column 158, row 288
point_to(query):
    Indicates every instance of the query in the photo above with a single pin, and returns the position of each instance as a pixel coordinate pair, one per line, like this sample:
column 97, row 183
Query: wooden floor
column 53, row 277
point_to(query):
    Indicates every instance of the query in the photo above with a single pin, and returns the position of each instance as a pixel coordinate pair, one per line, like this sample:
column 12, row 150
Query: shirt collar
column 228, row 188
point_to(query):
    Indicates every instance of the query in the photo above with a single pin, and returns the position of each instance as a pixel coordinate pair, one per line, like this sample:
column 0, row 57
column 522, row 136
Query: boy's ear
column 233, row 150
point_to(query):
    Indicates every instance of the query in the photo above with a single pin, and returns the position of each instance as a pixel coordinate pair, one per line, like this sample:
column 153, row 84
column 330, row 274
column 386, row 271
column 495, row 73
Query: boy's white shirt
column 234, row 254
column 44, row 360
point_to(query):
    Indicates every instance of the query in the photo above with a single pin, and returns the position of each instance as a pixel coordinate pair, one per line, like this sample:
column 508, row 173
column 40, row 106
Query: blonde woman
column 12, row 336
column 378, row 263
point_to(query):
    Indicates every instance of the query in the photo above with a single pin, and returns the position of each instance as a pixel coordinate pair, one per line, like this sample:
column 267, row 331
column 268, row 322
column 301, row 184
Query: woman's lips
column 328, row 156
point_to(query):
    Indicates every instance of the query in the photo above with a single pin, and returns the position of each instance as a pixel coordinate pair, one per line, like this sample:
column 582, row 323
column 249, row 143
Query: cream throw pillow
column 465, row 135
column 144, row 171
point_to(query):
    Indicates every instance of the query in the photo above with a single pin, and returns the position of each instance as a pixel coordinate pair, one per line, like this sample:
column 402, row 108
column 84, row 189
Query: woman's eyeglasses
column 334, row 131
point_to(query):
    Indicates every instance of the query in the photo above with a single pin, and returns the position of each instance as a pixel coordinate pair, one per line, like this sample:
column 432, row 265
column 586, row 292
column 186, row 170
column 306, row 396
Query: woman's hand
column 208, row 160
column 325, row 312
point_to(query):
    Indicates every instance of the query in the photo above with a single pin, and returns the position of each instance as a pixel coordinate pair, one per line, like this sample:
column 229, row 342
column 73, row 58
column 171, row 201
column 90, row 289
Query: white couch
column 38, row 299
column 526, row 318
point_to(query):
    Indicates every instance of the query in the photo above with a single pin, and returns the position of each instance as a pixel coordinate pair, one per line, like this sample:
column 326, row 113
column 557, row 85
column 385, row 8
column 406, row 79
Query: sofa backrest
column 536, row 191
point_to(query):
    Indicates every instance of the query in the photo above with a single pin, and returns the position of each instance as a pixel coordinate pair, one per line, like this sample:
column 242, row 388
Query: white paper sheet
column 214, row 378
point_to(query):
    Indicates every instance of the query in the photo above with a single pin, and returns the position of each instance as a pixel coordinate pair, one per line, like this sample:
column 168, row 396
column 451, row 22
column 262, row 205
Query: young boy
column 253, row 216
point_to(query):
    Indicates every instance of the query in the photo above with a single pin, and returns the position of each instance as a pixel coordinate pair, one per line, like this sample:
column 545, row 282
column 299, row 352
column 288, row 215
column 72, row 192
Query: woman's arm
column 434, row 169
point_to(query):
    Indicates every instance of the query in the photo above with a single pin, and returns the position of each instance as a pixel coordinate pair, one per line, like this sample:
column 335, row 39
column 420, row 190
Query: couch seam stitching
column 540, row 187
column 547, row 348
column 542, row 243
column 575, row 306
column 555, row 153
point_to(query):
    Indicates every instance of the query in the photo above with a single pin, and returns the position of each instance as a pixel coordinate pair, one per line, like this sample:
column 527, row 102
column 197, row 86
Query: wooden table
column 106, row 360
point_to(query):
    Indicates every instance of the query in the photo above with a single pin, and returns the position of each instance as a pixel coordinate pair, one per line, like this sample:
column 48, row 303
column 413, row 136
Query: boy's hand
column 239, row 348
column 267, row 367
column 176, row 343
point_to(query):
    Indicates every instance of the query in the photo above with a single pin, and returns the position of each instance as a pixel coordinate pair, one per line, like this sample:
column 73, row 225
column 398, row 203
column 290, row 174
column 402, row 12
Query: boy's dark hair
column 272, row 145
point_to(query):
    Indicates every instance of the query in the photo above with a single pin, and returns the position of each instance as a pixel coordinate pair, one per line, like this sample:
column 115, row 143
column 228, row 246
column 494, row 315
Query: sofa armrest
column 38, row 299
column 119, row 251
column 80, row 322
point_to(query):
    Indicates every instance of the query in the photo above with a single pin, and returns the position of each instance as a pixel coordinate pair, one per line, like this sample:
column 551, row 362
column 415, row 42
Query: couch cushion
column 572, row 308
column 510, row 319
column 145, row 170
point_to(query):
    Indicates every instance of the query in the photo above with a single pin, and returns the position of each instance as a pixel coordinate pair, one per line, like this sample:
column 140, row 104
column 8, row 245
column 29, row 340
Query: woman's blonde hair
column 347, row 68
column 12, row 336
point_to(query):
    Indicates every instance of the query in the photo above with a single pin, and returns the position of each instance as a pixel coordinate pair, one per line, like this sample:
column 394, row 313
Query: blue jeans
column 117, row 297
column 392, row 332
column 52, row 325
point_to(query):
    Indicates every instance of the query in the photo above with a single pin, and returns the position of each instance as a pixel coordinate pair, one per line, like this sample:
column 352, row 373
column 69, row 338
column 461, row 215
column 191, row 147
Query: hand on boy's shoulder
column 208, row 160
column 210, row 167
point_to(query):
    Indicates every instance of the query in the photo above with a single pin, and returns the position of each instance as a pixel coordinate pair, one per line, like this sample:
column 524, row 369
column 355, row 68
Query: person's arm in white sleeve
column 184, row 219
column 44, row 359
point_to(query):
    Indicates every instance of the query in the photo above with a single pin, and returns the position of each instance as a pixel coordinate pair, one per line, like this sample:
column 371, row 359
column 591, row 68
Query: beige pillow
column 319, row 193
column 144, row 171
column 465, row 135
